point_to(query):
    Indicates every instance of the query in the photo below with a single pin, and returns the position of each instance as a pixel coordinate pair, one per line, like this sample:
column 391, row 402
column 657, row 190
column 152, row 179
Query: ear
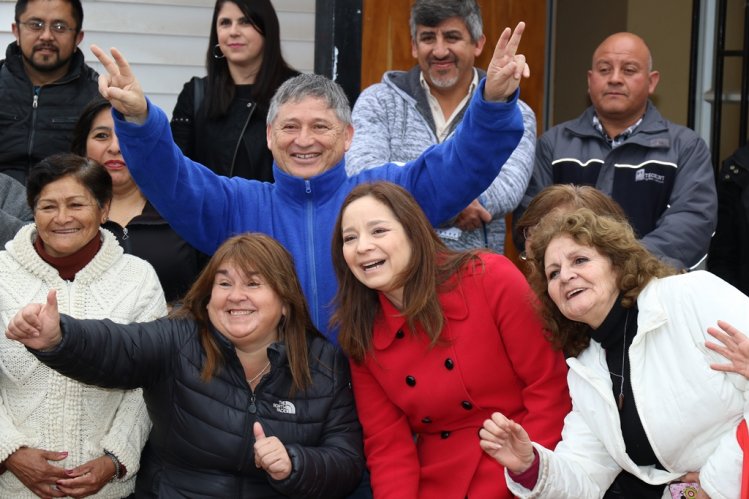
column 14, row 28
column 479, row 46
column 78, row 38
column 105, row 212
column 654, row 77
column 268, row 135
column 348, row 136
column 414, row 49
column 590, row 75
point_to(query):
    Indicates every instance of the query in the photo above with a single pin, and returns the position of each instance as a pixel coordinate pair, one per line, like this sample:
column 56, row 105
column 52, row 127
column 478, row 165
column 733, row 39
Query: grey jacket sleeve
column 541, row 176
column 684, row 230
column 371, row 144
column 14, row 211
column 506, row 192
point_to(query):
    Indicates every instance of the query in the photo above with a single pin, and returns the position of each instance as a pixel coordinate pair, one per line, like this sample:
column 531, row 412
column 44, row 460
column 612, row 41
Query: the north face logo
column 285, row 407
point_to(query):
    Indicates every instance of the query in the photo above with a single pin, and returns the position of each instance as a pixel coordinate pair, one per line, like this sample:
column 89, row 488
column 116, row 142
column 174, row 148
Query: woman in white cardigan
column 59, row 437
column 649, row 413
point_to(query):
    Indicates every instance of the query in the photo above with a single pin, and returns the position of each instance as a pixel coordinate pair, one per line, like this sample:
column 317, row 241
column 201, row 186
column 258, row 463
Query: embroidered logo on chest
column 284, row 407
column 643, row 176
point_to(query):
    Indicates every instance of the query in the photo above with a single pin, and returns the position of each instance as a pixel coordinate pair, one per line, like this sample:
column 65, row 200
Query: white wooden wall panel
column 165, row 41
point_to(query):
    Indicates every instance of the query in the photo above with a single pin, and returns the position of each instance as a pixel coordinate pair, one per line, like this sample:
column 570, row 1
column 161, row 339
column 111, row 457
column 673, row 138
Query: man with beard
column 44, row 83
column 397, row 119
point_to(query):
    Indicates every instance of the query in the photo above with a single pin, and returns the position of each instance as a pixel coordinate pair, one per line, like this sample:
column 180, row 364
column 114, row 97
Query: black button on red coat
column 410, row 381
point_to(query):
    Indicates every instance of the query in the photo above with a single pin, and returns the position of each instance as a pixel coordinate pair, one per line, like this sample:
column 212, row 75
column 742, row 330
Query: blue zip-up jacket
column 205, row 209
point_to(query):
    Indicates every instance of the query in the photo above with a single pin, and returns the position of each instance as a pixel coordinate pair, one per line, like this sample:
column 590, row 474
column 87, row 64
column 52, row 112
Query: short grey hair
column 430, row 13
column 311, row 85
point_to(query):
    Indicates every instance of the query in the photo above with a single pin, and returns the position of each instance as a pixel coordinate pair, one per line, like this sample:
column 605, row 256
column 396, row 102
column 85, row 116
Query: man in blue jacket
column 309, row 130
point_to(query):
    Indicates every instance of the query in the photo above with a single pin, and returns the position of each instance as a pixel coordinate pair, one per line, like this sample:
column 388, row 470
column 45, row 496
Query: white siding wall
column 165, row 41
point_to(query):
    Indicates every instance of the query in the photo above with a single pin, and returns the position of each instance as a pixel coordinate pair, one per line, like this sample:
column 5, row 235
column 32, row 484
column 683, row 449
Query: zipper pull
column 252, row 409
column 307, row 187
column 124, row 234
column 35, row 104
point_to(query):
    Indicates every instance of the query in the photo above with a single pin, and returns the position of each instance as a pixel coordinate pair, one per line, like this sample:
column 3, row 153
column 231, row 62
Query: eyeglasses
column 57, row 27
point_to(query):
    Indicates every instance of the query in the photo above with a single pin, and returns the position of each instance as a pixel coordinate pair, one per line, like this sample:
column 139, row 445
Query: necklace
column 620, row 398
column 252, row 380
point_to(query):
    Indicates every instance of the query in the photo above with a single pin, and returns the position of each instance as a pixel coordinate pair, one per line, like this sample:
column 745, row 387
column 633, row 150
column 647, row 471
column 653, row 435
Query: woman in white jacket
column 59, row 437
column 648, row 410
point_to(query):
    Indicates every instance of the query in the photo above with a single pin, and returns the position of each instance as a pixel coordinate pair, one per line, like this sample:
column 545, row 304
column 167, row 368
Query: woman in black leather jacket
column 247, row 399
column 219, row 120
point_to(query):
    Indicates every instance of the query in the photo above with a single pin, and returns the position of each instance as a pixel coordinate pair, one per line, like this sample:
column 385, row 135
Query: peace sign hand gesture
column 506, row 67
column 120, row 87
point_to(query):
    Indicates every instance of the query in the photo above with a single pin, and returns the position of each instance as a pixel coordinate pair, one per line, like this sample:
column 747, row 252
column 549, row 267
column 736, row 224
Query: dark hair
column 255, row 253
column 85, row 121
column 75, row 6
column 274, row 69
column 430, row 13
column 634, row 266
column 568, row 196
column 88, row 172
column 431, row 265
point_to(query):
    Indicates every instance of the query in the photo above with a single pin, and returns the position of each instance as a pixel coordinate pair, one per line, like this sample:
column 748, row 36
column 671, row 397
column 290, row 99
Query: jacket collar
column 389, row 321
column 651, row 133
column 318, row 188
column 276, row 351
column 408, row 85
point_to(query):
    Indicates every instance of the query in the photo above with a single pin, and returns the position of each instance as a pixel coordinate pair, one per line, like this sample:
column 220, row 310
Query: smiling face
column 45, row 52
column 307, row 138
column 620, row 80
column 67, row 216
column 446, row 53
column 103, row 147
column 244, row 308
column 375, row 246
column 238, row 39
column 580, row 280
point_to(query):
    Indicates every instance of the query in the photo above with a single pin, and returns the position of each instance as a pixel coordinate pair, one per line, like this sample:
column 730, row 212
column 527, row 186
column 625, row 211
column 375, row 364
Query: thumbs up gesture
column 37, row 325
column 271, row 455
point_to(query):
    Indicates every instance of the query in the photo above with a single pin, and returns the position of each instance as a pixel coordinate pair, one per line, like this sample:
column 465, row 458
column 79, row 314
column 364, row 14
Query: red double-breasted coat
column 421, row 407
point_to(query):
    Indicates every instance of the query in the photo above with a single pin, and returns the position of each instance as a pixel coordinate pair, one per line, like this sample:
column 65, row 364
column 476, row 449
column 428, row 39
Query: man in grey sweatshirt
column 397, row 119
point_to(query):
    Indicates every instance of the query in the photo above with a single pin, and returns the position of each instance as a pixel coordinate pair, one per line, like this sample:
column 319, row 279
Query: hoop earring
column 217, row 54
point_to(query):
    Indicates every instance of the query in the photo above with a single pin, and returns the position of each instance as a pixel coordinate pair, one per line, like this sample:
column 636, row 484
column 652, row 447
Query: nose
column 566, row 273
column 62, row 215
column 236, row 294
column 440, row 49
column 114, row 146
column 363, row 243
column 46, row 33
column 615, row 76
column 304, row 137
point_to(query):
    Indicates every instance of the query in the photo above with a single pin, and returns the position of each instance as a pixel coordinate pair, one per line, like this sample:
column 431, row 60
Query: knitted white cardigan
column 40, row 408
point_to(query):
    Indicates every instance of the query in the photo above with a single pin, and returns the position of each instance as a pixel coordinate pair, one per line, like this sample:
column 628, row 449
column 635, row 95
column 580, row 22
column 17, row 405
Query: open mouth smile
column 371, row 266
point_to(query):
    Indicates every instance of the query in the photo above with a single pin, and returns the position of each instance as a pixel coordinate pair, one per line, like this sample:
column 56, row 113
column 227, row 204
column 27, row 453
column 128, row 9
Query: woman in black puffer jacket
column 247, row 399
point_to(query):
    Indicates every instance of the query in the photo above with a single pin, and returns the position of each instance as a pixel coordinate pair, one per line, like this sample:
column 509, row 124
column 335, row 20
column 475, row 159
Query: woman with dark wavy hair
column 219, row 120
column 648, row 409
column 438, row 340
column 247, row 399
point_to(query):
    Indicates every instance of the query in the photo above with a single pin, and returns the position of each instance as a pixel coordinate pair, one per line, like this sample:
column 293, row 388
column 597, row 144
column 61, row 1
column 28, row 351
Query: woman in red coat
column 438, row 340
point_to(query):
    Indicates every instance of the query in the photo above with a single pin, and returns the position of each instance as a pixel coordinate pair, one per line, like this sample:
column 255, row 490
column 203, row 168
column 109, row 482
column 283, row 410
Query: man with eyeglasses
column 44, row 83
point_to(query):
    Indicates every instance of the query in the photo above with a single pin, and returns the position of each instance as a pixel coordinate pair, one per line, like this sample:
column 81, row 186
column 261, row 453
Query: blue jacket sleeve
column 208, row 206
column 447, row 177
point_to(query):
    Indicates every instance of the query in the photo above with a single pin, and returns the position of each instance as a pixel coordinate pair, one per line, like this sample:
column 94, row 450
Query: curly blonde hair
column 634, row 265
